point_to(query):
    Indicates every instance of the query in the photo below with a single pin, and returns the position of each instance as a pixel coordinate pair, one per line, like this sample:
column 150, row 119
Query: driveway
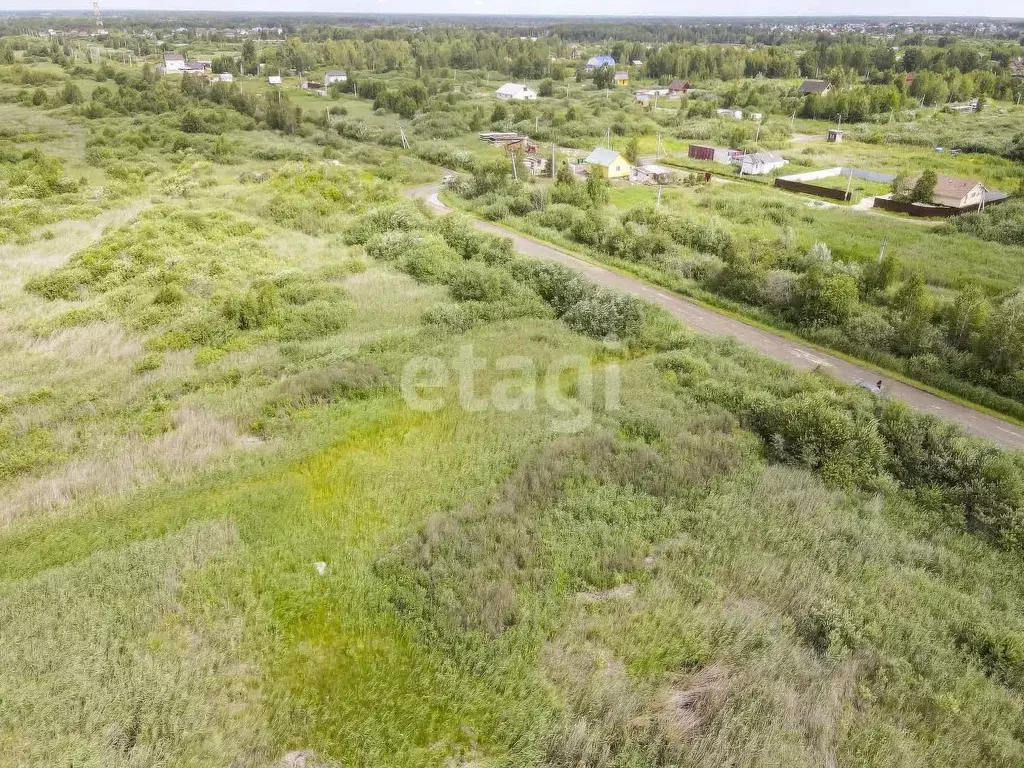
column 708, row 321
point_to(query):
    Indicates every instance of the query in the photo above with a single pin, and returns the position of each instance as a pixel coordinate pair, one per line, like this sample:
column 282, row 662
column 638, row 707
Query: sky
column 591, row 8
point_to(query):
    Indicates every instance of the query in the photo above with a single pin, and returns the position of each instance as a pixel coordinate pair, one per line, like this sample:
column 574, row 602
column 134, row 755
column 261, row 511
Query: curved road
column 710, row 322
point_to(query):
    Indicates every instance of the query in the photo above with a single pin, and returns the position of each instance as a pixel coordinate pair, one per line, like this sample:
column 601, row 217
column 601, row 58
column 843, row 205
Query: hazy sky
column 1004, row 8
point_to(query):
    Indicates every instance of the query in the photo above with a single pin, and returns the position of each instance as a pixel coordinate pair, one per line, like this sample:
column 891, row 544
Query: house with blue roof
column 596, row 62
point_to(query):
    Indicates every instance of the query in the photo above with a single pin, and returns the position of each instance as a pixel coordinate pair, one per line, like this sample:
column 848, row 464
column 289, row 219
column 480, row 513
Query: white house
column 226, row 77
column 333, row 76
column 760, row 163
column 515, row 92
column 274, row 79
column 174, row 63
column 735, row 114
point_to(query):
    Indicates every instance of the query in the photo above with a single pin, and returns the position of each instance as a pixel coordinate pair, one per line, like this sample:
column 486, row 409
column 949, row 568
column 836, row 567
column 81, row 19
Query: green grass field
column 228, row 536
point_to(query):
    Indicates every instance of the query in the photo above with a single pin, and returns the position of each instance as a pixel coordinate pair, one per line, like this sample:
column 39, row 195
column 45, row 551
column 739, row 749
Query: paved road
column 710, row 322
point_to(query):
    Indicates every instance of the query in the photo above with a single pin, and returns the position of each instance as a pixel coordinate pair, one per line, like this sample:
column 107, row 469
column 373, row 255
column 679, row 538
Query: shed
column 607, row 163
column 760, row 163
column 274, row 79
column 678, row 87
column 735, row 114
column 332, row 76
column 652, row 174
column 226, row 77
column 716, row 154
column 622, row 78
column 835, row 136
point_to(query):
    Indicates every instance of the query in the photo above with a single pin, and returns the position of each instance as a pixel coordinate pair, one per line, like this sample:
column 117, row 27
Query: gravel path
column 708, row 321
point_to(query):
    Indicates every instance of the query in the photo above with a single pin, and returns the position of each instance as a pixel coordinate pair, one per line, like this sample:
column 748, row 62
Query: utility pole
column 757, row 135
column 515, row 171
column 881, row 251
column 849, row 185
column 553, row 159
column 608, row 138
column 96, row 14
column 658, row 204
column 405, row 141
column 792, row 120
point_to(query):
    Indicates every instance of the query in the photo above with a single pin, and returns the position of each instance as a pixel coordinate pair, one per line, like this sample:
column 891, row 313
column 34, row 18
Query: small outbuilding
column 622, row 79
column 678, row 87
column 652, row 174
column 274, row 79
column 333, row 76
column 835, row 136
column 715, row 154
column 735, row 114
column 760, row 163
column 516, row 92
column 607, row 163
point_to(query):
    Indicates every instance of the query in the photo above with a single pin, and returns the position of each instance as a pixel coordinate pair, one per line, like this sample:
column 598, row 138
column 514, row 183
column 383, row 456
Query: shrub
column 258, row 307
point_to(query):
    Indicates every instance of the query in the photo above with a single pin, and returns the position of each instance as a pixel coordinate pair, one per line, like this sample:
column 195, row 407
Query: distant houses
column 819, row 87
column 678, row 87
column 516, row 92
column 596, row 62
column 760, row 163
column 622, row 79
column 333, row 76
column 607, row 163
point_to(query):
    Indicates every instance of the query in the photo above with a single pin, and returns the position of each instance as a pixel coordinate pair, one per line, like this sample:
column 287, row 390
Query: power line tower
column 96, row 14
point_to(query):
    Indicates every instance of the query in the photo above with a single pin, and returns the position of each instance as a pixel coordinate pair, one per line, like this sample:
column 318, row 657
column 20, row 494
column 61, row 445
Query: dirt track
column 710, row 322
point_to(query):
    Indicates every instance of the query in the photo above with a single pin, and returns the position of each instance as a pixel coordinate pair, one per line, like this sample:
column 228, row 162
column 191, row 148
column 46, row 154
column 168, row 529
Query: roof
column 679, row 85
column 601, row 61
column 951, row 186
column 814, row 86
column 173, row 57
column 764, row 157
column 335, row 73
column 601, row 156
column 656, row 169
column 622, row 75
column 510, row 89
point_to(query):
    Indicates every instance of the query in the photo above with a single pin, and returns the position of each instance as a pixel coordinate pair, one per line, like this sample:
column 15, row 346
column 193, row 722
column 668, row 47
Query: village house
column 622, row 79
column 173, row 63
column 607, row 163
column 760, row 163
column 820, row 87
column 226, row 77
column 735, row 114
column 678, row 87
column 333, row 76
column 274, row 79
column 953, row 192
column 596, row 62
column 516, row 92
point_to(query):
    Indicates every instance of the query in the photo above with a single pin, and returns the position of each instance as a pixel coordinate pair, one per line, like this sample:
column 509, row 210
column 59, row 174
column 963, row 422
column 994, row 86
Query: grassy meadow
column 228, row 537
